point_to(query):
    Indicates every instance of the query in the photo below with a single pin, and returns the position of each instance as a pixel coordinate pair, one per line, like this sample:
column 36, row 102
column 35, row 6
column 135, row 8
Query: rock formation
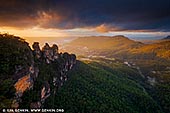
column 62, row 63
column 49, row 54
column 36, row 50
column 31, row 76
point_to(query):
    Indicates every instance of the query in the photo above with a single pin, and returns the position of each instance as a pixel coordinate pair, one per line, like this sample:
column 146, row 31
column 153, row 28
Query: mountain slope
column 160, row 49
column 104, row 42
column 91, row 88
column 151, row 60
column 118, row 46
column 95, row 45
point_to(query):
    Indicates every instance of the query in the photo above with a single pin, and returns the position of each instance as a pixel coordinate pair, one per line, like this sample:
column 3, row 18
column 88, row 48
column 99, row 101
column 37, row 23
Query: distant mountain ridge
column 117, row 46
column 103, row 45
column 168, row 37
column 105, row 42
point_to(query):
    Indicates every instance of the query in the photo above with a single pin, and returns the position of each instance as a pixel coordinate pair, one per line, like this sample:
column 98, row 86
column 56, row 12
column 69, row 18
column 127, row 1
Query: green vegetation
column 160, row 91
column 151, row 60
column 97, row 85
column 163, row 96
column 14, row 54
column 119, row 68
column 91, row 88
column 14, row 51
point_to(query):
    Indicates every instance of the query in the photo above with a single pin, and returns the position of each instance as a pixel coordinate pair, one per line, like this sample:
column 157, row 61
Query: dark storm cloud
column 68, row 14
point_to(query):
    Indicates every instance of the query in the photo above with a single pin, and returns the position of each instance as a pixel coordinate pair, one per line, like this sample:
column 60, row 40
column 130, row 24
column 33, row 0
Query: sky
column 75, row 18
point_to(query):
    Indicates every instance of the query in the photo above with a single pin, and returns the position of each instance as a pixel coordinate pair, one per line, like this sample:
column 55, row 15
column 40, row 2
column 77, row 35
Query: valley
column 85, row 56
column 151, row 61
column 95, row 87
column 111, row 74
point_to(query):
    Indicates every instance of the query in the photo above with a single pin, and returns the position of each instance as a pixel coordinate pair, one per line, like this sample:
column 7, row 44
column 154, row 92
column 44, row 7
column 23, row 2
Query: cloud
column 102, row 15
column 103, row 28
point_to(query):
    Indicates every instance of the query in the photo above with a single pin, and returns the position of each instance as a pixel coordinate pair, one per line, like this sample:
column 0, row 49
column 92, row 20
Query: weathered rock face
column 45, row 92
column 61, row 63
column 36, row 50
column 48, row 53
column 25, row 82
column 55, row 51
column 30, row 75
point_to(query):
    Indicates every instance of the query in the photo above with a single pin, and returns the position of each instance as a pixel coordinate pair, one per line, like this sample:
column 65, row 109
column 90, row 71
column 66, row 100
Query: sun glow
column 33, row 32
column 60, row 36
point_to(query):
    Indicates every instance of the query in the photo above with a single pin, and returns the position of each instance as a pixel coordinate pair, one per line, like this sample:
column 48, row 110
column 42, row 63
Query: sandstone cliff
column 29, row 76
